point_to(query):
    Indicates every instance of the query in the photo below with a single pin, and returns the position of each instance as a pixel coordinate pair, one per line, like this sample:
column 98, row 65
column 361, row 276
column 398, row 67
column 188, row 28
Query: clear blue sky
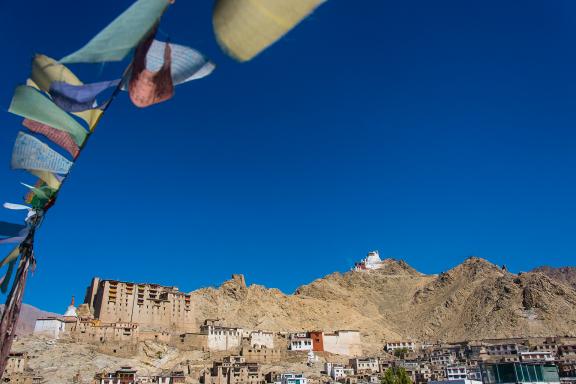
column 430, row 130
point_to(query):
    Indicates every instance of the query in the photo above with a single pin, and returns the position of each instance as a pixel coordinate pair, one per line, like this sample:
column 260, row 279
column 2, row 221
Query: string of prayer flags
column 31, row 153
column 54, row 97
column 244, row 28
column 29, row 103
column 78, row 98
column 116, row 41
column 63, row 139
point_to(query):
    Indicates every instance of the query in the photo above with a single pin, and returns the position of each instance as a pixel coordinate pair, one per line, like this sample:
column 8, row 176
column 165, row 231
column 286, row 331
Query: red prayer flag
column 148, row 87
column 59, row 137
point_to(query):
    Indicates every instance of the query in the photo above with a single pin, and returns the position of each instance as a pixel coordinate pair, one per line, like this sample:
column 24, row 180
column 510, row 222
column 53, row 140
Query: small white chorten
column 71, row 311
column 311, row 358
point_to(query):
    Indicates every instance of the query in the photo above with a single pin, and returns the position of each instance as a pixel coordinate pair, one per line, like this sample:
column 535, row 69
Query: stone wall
column 346, row 343
column 120, row 349
column 98, row 332
column 190, row 342
column 262, row 339
column 155, row 335
column 262, row 355
column 224, row 339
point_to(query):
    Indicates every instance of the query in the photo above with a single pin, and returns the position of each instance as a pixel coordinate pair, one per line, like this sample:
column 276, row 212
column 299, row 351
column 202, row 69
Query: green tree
column 401, row 352
column 396, row 375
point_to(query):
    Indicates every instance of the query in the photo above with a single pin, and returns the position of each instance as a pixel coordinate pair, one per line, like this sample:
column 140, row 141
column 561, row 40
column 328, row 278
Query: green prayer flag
column 29, row 103
column 41, row 195
column 115, row 41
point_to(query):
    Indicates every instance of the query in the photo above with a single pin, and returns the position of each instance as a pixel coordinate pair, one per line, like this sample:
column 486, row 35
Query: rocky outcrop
column 566, row 275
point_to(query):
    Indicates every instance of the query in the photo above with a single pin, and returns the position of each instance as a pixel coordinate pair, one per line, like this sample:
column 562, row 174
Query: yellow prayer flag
column 90, row 116
column 244, row 28
column 46, row 70
column 46, row 177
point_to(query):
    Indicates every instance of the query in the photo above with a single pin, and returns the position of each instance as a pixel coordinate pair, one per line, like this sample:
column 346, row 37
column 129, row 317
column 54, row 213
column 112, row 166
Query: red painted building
column 317, row 341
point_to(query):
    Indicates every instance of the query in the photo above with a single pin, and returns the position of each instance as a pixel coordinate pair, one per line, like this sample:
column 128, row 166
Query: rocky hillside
column 474, row 300
column 566, row 275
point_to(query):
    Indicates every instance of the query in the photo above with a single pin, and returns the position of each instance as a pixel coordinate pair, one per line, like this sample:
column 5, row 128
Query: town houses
column 116, row 318
column 331, row 356
column 18, row 371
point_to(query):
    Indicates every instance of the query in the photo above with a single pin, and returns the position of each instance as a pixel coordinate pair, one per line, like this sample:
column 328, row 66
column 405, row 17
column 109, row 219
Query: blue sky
column 431, row 131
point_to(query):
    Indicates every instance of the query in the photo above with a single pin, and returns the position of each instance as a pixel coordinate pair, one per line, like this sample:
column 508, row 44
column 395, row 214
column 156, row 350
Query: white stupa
column 312, row 358
column 71, row 313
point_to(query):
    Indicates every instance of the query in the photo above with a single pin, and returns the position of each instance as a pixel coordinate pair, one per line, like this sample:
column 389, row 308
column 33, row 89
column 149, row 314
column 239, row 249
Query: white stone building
column 50, row 327
column 363, row 366
column 460, row 381
column 300, row 342
column 442, row 358
column 456, row 372
column 394, row 345
column 536, row 356
column 337, row 371
column 293, row 378
column 259, row 339
column 222, row 338
column 54, row 327
column 505, row 349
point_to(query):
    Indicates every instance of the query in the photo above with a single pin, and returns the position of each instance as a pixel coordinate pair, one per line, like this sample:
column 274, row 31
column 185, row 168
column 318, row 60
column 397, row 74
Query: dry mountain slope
column 566, row 275
column 474, row 300
column 28, row 317
column 477, row 300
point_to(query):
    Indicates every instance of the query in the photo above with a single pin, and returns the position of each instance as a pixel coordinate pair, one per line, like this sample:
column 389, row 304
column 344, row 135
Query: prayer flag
column 78, row 98
column 11, row 256
column 31, row 153
column 29, row 103
column 115, row 41
column 147, row 87
column 49, row 178
column 244, row 28
column 10, row 229
column 61, row 138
